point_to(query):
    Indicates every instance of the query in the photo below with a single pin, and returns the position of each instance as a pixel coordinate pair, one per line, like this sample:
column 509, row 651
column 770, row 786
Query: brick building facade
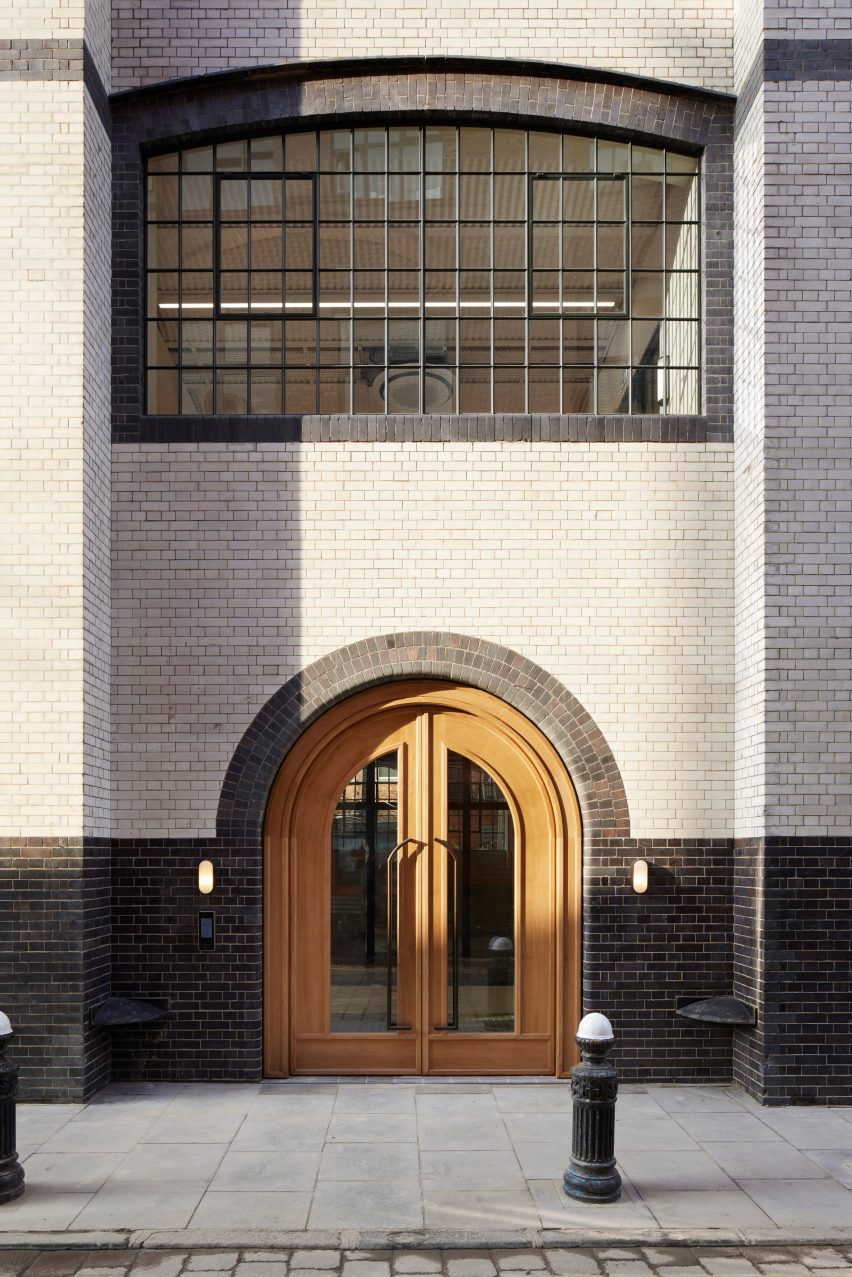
column 202, row 557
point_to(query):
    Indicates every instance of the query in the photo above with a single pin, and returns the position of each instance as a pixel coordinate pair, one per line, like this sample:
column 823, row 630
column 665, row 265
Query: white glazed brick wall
column 97, row 214
column 749, row 393
column 808, row 293
column 57, row 19
column 236, row 566
column 41, row 468
column 159, row 40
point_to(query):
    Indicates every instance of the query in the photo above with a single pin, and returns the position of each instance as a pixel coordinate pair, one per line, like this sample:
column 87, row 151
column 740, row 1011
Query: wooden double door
column 419, row 892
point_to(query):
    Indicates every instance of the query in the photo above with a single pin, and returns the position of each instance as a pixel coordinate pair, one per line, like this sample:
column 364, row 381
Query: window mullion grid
column 628, row 294
column 457, row 270
column 492, row 351
column 664, row 318
column 351, row 271
column 560, row 274
column 249, row 281
column 422, row 276
column 595, row 312
column 180, row 286
column 349, row 274
column 387, row 268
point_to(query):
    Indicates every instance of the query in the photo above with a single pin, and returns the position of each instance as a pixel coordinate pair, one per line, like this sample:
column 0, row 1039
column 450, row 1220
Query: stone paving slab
column 421, row 1163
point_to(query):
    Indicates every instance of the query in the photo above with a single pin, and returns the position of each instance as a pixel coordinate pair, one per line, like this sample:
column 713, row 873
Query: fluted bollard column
column 11, row 1170
column 592, row 1176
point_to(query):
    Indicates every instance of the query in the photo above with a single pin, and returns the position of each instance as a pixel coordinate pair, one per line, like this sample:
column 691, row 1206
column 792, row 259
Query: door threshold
column 417, row 1079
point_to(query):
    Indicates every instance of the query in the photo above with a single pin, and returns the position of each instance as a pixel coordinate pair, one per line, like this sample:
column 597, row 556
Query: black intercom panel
column 206, row 930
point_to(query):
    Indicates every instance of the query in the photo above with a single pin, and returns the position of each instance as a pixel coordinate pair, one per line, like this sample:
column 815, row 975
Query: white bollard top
column 595, row 1027
column 5, row 1025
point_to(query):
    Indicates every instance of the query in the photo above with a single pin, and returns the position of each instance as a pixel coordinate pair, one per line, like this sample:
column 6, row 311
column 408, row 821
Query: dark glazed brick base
column 793, row 941
column 213, row 1031
column 641, row 953
column 54, row 962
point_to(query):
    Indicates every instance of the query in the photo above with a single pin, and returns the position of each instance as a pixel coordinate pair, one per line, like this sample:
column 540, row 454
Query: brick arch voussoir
column 453, row 658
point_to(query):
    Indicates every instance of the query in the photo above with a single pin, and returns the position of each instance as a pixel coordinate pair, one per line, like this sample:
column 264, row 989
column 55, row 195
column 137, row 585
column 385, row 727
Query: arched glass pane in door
column 363, row 832
column 481, row 908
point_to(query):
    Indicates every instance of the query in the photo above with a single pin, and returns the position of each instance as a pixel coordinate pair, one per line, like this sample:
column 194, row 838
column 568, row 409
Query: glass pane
column 233, row 248
column 578, row 199
column 474, row 197
column 481, row 830
column 231, row 341
column 682, row 197
column 682, row 246
column 510, row 197
column 544, row 341
column 647, row 247
column 611, row 200
column 578, row 154
column 266, row 201
column 300, row 390
column 613, row 341
column 441, row 150
column 300, row 341
column 334, row 246
column 232, row 157
column 578, row 393
column 509, row 341
column 404, row 150
column 162, row 247
column 335, row 150
column 578, row 247
column 163, row 391
column 545, row 152
column 267, row 155
column 474, row 390
column 196, row 246
column 298, row 200
column 196, row 194
column 163, row 197
column 335, row 196
column 510, row 149
column 266, row 390
column 404, row 246
column 648, row 197
column 509, row 389
column 475, row 246
column 266, row 246
column 475, row 150
column 233, row 199
column 301, row 152
column 544, row 390
column 163, row 342
column 613, row 390
column 510, row 247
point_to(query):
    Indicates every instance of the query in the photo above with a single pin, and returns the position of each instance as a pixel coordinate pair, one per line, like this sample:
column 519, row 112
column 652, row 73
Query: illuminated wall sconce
column 640, row 877
column 206, row 877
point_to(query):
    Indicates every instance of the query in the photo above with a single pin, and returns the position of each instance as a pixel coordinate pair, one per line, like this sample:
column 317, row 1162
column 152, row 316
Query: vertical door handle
column 453, row 856
column 393, row 917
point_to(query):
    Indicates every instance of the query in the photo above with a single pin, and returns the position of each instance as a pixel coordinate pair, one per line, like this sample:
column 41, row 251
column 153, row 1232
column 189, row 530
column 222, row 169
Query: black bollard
column 11, row 1170
column 592, row 1176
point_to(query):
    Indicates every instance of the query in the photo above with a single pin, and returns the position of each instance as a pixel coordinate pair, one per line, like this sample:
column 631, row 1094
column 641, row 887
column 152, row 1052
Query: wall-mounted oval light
column 640, row 876
column 206, row 877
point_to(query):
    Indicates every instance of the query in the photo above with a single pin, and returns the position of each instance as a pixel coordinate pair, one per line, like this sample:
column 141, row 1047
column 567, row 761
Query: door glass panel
column 363, row 832
column 481, row 830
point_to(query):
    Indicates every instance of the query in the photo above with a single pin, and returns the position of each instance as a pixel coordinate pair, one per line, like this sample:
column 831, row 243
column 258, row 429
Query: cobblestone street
column 644, row 1261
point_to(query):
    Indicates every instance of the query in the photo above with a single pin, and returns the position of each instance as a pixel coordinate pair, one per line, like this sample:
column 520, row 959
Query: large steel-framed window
column 423, row 269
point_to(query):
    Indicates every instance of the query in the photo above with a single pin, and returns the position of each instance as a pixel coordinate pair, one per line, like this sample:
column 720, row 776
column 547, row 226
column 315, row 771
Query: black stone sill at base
column 725, row 1011
column 458, row 428
column 116, row 1012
